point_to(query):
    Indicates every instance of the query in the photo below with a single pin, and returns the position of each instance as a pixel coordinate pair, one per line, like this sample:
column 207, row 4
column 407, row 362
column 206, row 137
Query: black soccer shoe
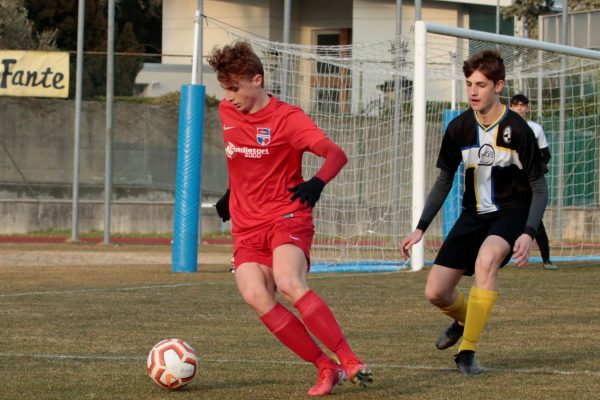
column 466, row 363
column 450, row 336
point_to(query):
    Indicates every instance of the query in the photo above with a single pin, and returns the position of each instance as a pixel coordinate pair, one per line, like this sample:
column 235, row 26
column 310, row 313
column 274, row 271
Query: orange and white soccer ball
column 172, row 363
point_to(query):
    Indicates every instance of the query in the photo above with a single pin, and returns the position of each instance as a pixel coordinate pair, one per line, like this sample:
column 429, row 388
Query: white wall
column 375, row 20
column 166, row 78
column 178, row 24
column 178, row 36
column 177, row 30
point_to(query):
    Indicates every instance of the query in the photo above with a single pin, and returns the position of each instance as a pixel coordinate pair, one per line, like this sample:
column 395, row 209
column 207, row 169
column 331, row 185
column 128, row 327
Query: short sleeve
column 303, row 133
column 450, row 155
column 541, row 139
column 530, row 155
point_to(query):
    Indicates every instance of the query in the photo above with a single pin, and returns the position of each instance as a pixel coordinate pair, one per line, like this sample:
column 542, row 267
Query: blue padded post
column 453, row 204
column 188, row 178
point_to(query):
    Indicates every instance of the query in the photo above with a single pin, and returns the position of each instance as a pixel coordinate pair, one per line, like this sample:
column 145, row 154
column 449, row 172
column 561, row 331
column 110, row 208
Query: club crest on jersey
column 486, row 155
column 263, row 136
column 507, row 135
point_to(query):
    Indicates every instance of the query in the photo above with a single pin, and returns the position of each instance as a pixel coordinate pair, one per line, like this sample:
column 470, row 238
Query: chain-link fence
column 37, row 151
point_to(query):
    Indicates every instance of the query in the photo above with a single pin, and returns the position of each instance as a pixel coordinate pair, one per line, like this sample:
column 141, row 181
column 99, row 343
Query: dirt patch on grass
column 73, row 255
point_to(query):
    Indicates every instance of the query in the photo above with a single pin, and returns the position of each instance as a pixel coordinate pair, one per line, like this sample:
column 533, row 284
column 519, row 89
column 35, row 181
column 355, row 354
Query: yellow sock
column 479, row 307
column 458, row 310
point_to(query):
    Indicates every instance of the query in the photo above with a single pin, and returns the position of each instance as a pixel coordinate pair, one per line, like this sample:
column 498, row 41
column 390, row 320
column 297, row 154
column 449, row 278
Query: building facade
column 313, row 22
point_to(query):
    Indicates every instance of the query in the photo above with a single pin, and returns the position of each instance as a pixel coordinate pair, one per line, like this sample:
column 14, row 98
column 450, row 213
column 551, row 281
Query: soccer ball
column 172, row 363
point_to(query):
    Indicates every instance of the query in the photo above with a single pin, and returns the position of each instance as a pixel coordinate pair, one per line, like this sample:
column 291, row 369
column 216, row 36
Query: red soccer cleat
column 327, row 379
column 357, row 372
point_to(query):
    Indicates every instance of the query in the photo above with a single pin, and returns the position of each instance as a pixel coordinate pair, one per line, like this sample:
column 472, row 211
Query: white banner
column 34, row 73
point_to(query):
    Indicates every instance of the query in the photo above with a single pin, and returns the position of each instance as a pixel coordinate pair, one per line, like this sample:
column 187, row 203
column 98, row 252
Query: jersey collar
column 495, row 123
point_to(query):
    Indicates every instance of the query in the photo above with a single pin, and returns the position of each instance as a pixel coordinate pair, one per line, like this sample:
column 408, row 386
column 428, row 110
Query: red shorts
column 259, row 247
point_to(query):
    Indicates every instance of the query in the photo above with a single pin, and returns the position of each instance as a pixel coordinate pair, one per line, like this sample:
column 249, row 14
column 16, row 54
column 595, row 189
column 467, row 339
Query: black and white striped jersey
column 500, row 160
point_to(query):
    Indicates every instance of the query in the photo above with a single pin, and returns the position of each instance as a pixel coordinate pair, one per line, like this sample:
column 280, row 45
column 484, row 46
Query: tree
column 17, row 31
column 530, row 10
column 584, row 5
column 144, row 15
column 137, row 30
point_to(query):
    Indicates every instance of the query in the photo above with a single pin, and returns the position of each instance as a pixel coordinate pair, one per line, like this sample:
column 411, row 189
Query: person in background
column 519, row 103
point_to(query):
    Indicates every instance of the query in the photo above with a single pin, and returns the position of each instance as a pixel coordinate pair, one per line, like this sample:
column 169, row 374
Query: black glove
column 222, row 207
column 308, row 192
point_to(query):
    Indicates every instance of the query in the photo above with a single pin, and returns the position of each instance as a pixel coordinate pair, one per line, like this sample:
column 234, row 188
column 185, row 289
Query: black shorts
column 460, row 249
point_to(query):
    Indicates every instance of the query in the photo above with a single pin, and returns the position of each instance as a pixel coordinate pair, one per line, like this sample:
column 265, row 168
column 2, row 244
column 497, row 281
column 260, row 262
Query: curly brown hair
column 236, row 61
column 489, row 62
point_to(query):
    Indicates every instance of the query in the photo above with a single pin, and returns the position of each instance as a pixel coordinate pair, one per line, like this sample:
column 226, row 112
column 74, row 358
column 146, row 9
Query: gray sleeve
column 435, row 200
column 539, row 198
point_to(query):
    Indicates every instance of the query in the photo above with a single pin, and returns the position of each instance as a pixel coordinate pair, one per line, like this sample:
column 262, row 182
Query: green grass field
column 78, row 322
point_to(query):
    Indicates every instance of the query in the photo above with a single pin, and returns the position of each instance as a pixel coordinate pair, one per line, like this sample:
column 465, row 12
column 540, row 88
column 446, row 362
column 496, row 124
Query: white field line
column 536, row 371
column 232, row 282
column 123, row 289
column 165, row 286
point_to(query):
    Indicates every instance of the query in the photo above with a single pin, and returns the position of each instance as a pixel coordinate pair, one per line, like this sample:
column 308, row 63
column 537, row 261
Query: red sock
column 292, row 333
column 319, row 319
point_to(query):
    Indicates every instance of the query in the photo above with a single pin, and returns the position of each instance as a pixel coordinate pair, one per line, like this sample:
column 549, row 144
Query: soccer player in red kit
column 270, row 206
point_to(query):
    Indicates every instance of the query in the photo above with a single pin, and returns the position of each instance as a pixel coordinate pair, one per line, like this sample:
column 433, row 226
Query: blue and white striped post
column 453, row 203
column 189, row 163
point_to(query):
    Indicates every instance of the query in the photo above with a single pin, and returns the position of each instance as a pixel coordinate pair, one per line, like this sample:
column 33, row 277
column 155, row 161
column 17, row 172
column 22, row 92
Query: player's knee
column 486, row 274
column 487, row 263
column 291, row 289
column 436, row 296
column 254, row 298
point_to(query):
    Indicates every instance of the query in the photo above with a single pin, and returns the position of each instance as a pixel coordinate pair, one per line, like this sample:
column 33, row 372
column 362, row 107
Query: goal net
column 362, row 97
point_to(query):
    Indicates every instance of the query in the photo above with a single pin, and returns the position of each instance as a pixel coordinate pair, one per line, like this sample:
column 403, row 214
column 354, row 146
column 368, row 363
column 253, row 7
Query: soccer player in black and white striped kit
column 503, row 203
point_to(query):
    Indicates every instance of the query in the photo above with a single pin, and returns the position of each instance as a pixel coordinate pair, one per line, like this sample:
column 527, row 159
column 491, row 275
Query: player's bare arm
column 522, row 250
column 413, row 238
column 435, row 200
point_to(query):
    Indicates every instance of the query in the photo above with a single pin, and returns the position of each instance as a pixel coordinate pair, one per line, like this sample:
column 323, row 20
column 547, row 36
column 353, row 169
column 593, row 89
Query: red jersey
column 264, row 159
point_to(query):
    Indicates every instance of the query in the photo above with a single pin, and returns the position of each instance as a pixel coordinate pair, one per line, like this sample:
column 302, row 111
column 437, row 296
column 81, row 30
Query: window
column 331, row 82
